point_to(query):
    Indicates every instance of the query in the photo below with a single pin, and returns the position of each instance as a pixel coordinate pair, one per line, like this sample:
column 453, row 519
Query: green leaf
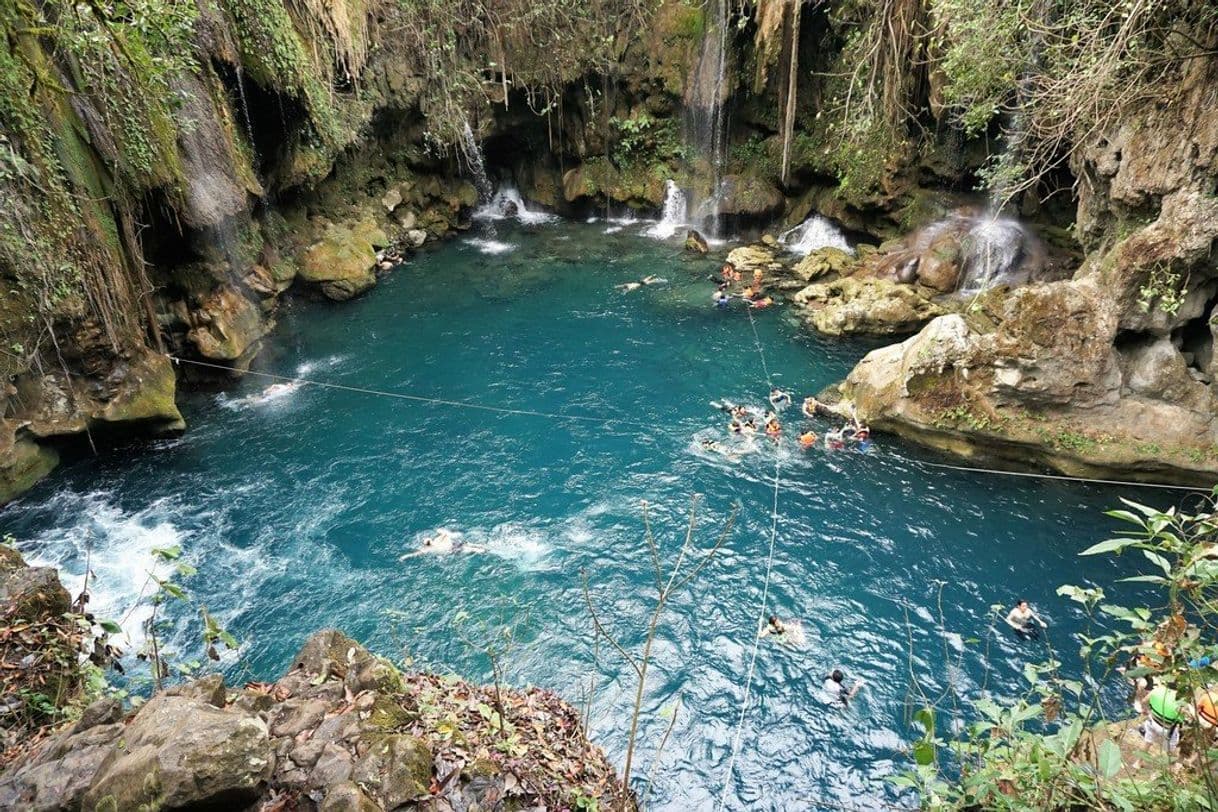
column 173, row 589
column 1143, row 579
column 167, row 553
column 228, row 640
column 1125, row 516
column 926, row 718
column 1148, row 512
column 1110, row 546
column 1109, row 757
column 924, row 752
column 1158, row 560
column 186, row 570
column 1019, row 715
column 110, row 627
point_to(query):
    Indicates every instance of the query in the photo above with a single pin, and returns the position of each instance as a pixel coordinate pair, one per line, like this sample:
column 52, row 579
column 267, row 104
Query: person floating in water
column 773, row 428
column 721, row 299
column 761, row 303
column 749, row 427
column 807, row 440
column 779, row 399
column 784, row 631
column 729, row 273
column 444, row 541
column 833, row 440
column 834, row 690
column 646, row 280
column 810, row 406
column 1025, row 622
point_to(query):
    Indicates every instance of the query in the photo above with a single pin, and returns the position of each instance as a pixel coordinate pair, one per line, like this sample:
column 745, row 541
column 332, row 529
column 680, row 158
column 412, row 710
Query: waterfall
column 813, row 234
column 245, row 112
column 673, row 216
column 992, row 251
column 508, row 204
column 706, row 110
column 472, row 153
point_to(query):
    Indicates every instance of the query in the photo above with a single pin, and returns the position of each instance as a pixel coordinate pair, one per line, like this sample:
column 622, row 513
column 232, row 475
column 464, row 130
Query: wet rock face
column 969, row 251
column 343, row 731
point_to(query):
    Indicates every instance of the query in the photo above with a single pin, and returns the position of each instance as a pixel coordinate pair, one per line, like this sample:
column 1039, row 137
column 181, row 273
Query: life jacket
column 1207, row 709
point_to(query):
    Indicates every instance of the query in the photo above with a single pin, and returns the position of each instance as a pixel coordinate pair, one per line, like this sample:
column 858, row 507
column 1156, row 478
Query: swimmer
column 749, row 427
column 710, row 445
column 762, row 303
column 729, row 273
column 758, row 274
column 629, row 286
column 834, row 690
column 810, row 406
column 443, row 542
column 774, row 627
column 735, row 427
column 779, row 399
column 721, row 299
column 773, row 428
column 833, row 440
column 748, row 294
column 650, row 279
column 1022, row 618
column 807, row 439
column 741, row 412
column 277, row 389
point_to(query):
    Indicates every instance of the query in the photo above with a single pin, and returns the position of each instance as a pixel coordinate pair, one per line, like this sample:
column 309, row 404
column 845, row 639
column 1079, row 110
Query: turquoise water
column 296, row 510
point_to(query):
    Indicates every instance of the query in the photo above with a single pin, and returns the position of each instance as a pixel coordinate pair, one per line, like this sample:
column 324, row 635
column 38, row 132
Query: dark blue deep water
column 296, row 509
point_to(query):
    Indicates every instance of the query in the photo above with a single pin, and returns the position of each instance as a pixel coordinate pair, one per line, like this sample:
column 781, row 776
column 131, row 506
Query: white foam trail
column 506, row 197
column 118, row 548
column 486, row 246
column 813, row 234
column 673, row 217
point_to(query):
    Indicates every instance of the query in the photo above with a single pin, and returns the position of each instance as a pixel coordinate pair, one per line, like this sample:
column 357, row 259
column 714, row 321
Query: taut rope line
column 765, row 593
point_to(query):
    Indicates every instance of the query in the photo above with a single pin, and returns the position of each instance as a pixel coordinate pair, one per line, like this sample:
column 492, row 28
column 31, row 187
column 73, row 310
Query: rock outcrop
column 1110, row 373
column 342, row 730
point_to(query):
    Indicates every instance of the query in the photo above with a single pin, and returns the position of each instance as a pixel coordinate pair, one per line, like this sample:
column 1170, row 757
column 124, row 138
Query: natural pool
column 296, row 510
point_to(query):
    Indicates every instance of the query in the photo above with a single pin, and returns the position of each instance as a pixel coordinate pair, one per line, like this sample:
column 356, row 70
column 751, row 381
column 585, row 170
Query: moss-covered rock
column 146, row 399
column 342, row 262
column 23, row 463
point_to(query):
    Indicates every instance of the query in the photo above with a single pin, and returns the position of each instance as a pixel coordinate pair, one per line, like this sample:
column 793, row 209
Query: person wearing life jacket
column 762, row 303
column 1205, row 700
column 810, row 406
column 773, row 428
column 807, row 439
column 1164, row 714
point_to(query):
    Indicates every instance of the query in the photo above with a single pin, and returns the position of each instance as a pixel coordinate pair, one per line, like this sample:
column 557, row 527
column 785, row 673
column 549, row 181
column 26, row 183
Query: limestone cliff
column 1111, row 372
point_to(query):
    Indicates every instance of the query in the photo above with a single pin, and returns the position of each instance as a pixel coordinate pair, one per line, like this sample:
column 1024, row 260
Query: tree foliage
column 1056, row 747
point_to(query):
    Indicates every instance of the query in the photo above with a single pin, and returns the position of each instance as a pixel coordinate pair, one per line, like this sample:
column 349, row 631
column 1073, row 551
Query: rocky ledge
column 343, row 730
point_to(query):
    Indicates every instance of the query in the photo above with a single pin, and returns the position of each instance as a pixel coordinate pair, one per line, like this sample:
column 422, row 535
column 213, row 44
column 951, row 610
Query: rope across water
column 765, row 591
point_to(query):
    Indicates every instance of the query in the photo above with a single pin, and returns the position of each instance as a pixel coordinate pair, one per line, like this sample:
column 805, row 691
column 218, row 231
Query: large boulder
column 396, row 769
column 853, row 306
column 343, row 262
column 145, row 400
column 227, row 324
column 57, row 774
column 823, row 262
column 180, row 752
column 757, row 257
column 23, row 462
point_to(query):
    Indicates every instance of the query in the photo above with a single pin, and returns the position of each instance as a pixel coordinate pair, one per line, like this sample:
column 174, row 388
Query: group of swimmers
column 753, row 295
column 744, row 422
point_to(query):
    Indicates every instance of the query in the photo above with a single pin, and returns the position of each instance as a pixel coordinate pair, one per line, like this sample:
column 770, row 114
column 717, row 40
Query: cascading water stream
column 813, row 234
column 472, row 153
column 245, row 114
column 673, row 216
column 706, row 112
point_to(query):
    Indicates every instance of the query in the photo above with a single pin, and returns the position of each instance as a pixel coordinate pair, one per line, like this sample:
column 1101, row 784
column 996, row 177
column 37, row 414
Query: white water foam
column 117, row 547
column 501, row 203
column 487, row 246
column 672, row 219
column 813, row 234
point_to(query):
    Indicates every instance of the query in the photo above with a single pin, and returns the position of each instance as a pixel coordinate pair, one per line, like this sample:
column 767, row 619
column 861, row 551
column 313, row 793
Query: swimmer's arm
column 1012, row 622
column 1036, row 617
column 858, row 686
